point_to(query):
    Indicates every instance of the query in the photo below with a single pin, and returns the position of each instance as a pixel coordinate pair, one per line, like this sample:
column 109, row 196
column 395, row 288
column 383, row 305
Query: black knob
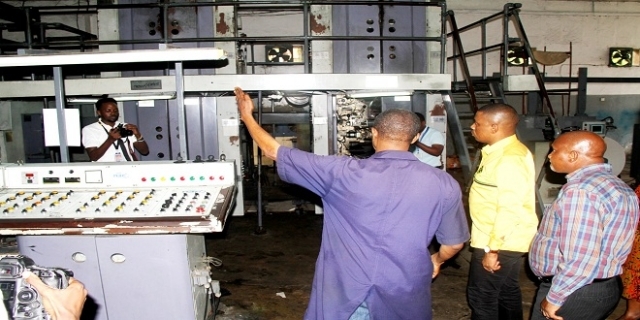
column 26, row 296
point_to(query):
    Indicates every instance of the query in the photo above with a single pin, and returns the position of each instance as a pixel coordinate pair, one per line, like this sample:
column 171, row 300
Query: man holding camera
column 110, row 141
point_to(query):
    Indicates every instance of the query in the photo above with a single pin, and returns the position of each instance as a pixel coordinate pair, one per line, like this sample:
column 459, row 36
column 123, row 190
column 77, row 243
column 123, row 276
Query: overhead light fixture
column 116, row 57
column 374, row 94
column 136, row 97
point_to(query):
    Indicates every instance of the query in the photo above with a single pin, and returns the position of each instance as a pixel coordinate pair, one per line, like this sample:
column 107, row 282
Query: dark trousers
column 495, row 296
column 594, row 301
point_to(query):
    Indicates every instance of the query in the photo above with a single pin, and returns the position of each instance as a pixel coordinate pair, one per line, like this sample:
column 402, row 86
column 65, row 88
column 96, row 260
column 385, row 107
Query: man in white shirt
column 428, row 148
column 109, row 140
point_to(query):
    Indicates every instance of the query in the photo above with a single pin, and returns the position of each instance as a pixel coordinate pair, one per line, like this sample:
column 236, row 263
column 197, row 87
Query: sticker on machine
column 230, row 127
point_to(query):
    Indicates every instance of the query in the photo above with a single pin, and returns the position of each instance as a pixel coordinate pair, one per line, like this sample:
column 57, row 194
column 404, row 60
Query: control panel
column 597, row 127
column 116, row 198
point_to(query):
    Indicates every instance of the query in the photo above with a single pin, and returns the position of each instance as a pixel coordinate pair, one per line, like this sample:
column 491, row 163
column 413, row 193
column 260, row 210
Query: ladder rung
column 486, row 98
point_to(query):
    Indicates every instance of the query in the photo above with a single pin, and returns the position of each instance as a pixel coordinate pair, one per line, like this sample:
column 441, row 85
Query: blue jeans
column 593, row 301
column 495, row 296
column 362, row 313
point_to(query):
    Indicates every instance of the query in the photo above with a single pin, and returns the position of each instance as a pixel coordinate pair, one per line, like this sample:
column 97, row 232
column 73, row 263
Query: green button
column 192, row 178
column 201, row 178
column 173, row 179
column 153, row 179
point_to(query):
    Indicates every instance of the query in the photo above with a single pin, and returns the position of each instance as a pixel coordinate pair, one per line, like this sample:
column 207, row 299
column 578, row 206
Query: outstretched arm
column 265, row 141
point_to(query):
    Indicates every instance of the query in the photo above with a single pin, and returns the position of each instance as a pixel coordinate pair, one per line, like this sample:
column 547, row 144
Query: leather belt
column 549, row 279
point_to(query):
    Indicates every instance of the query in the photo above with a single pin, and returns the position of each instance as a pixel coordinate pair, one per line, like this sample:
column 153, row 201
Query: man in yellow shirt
column 503, row 215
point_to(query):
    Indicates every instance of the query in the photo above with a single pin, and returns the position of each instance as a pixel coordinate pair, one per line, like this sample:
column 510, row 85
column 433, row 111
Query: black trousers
column 495, row 296
column 594, row 301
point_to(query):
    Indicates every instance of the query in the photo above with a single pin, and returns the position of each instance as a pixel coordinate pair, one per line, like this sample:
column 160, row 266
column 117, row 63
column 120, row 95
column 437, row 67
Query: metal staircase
column 461, row 106
column 466, row 96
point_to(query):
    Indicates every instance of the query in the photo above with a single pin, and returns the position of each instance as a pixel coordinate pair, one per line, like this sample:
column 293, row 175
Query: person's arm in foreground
column 61, row 304
column 445, row 253
column 265, row 141
column 510, row 211
column 453, row 231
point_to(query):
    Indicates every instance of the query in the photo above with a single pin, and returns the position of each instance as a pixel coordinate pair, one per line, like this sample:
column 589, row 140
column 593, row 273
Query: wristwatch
column 488, row 250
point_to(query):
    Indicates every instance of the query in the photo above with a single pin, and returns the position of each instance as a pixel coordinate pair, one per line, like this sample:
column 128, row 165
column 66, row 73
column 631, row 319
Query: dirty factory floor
column 267, row 275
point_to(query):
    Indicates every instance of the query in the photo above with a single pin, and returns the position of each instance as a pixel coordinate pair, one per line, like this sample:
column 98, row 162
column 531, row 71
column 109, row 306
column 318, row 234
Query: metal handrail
column 457, row 43
column 508, row 14
column 536, row 71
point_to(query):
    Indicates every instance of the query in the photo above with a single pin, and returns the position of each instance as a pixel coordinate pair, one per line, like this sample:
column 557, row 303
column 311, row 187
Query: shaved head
column 576, row 149
column 588, row 144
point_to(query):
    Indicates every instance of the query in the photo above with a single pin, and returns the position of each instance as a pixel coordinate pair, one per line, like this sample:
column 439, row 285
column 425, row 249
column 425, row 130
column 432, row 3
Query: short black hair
column 500, row 112
column 397, row 124
column 421, row 116
column 104, row 100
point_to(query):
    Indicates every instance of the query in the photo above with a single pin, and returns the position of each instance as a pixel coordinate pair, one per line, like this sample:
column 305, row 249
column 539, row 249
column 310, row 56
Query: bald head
column 576, row 149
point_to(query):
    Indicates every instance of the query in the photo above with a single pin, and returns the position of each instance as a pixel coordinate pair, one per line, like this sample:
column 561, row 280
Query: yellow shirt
column 502, row 198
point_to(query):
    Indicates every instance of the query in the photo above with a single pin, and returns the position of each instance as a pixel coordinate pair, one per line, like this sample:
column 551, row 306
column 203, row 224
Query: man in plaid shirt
column 585, row 235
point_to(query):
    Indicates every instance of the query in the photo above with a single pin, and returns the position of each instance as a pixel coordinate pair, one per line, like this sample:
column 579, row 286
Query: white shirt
column 3, row 310
column 94, row 135
column 429, row 137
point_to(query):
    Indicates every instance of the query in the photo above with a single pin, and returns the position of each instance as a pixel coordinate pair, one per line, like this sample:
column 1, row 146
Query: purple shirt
column 586, row 233
column 381, row 213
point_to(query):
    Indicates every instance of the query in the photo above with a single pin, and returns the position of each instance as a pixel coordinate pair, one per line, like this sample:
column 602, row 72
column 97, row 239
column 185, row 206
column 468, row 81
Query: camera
column 124, row 132
column 21, row 300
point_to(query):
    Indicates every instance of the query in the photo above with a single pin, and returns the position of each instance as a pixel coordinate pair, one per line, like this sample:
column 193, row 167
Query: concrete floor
column 269, row 276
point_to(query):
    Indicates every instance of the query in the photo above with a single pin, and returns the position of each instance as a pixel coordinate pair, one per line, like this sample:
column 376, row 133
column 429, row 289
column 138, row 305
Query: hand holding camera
column 61, row 304
column 124, row 132
column 35, row 292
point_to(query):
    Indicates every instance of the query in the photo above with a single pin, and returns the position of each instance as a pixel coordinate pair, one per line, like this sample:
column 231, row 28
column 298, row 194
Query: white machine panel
column 116, row 198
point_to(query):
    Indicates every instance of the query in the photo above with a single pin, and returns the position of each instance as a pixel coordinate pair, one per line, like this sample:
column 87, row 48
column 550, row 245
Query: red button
column 144, row 179
column 212, row 178
column 221, row 177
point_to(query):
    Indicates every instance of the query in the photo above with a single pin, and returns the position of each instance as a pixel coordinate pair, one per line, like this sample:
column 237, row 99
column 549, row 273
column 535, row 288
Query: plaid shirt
column 586, row 233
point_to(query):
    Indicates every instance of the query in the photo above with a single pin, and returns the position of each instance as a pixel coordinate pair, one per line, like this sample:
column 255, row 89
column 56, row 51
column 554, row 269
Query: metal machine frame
column 106, row 252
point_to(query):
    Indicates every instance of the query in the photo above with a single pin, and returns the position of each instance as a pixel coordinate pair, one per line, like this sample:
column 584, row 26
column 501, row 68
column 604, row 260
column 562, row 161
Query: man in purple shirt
column 381, row 213
column 585, row 235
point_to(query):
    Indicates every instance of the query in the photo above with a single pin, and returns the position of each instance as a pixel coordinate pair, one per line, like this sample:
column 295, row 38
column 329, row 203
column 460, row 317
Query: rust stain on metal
column 221, row 26
column 438, row 110
column 316, row 26
column 234, row 140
